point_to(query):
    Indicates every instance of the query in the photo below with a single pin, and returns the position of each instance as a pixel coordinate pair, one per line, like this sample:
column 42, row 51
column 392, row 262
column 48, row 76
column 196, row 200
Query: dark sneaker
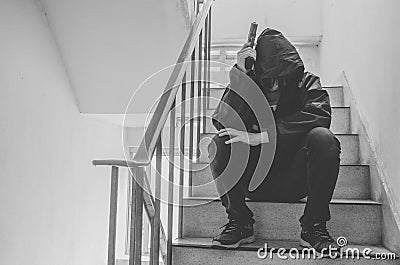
column 316, row 236
column 234, row 234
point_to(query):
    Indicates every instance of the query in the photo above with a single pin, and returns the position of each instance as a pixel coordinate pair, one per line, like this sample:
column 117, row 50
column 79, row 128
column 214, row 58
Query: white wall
column 53, row 202
column 298, row 20
column 232, row 18
column 361, row 37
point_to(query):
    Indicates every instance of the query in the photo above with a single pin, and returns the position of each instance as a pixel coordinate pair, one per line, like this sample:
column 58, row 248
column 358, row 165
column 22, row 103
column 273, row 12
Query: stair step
column 220, row 79
column 349, row 145
column 335, row 96
column 353, row 182
column 340, row 120
column 219, row 73
column 196, row 251
column 357, row 220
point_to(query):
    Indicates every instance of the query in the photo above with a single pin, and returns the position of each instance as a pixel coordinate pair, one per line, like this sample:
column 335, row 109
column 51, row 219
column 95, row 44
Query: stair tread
column 349, row 142
column 353, row 182
column 323, row 87
column 333, row 201
column 206, row 242
column 340, row 118
column 199, row 162
column 336, row 93
column 360, row 221
column 338, row 134
column 332, row 107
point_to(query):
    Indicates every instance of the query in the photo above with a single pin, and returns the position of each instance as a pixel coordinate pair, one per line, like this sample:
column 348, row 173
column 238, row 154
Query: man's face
column 265, row 59
column 272, row 91
column 267, row 55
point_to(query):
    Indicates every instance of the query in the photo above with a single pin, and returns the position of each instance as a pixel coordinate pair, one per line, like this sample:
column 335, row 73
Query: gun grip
column 249, row 62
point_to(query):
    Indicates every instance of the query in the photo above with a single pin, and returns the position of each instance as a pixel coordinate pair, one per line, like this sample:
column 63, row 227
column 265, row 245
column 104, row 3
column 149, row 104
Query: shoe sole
column 304, row 243
column 242, row 241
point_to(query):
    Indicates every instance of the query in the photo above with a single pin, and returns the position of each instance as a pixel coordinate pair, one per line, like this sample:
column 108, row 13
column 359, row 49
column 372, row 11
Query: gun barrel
column 252, row 33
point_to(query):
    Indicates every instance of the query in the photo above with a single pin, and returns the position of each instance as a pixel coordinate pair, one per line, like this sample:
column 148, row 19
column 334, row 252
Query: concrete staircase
column 354, row 215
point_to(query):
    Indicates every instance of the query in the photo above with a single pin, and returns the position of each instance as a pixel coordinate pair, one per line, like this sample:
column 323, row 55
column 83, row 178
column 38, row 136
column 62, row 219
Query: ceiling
column 110, row 47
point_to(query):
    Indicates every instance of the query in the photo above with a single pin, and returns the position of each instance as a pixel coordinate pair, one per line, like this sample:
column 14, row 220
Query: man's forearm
column 264, row 137
column 259, row 138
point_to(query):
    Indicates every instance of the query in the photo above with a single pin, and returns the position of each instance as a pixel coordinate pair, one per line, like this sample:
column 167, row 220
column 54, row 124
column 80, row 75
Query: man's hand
column 245, row 51
column 252, row 139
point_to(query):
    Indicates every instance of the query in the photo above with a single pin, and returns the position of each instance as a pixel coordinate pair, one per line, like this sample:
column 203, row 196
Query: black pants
column 305, row 165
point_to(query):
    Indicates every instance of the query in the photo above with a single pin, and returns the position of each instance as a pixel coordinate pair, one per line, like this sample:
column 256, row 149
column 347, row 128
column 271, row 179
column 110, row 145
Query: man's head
column 278, row 64
column 276, row 56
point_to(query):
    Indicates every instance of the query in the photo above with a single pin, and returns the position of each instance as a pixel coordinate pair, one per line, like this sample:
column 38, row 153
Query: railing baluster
column 205, row 64
column 155, row 233
column 151, row 142
column 182, row 156
column 209, row 58
column 191, row 121
column 112, row 226
column 170, row 183
column 199, row 83
column 136, row 218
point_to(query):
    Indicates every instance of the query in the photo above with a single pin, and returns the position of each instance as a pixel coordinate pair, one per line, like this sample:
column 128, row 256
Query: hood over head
column 276, row 56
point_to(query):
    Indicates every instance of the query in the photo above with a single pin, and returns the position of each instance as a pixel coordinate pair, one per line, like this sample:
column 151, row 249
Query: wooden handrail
column 157, row 122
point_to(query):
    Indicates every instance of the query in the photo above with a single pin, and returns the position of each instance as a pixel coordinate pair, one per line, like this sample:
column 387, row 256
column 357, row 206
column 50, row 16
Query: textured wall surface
column 359, row 38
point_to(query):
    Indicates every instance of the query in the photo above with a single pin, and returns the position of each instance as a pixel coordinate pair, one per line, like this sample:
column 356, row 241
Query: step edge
column 333, row 201
column 181, row 243
column 337, row 134
column 198, row 163
column 323, row 87
column 332, row 107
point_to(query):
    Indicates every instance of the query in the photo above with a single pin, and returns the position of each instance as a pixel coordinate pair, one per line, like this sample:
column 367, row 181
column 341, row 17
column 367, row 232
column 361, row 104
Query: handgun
column 249, row 61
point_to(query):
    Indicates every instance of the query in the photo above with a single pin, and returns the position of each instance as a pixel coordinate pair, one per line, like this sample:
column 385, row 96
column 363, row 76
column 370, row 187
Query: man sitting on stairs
column 307, row 156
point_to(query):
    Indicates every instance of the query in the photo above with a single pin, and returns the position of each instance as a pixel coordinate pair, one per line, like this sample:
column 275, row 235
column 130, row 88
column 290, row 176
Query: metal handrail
column 141, row 193
column 147, row 146
column 114, row 162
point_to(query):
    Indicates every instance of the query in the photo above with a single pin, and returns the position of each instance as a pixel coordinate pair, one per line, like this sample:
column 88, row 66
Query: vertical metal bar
column 191, row 120
column 199, row 85
column 198, row 117
column 155, row 231
column 171, row 172
column 136, row 228
column 182, row 156
column 205, row 64
column 209, row 57
column 149, row 173
column 112, row 226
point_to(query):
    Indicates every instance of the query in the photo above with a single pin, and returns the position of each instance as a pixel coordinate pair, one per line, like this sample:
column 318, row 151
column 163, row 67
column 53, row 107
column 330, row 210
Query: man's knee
column 217, row 144
column 217, row 149
column 323, row 142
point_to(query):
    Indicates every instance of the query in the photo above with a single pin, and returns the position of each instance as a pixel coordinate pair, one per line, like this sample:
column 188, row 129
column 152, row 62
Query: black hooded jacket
column 302, row 104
